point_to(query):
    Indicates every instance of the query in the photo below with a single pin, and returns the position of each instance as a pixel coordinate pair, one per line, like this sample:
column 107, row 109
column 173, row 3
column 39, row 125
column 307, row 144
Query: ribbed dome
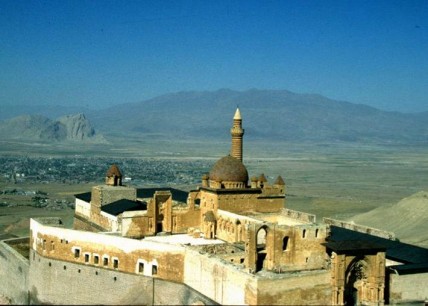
column 229, row 169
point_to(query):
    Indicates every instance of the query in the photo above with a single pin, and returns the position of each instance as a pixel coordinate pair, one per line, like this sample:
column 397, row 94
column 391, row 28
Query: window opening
column 285, row 243
column 140, row 267
column 154, row 269
column 96, row 259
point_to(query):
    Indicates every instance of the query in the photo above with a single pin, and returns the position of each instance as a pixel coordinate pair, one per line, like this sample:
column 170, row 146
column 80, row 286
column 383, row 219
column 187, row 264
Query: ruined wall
column 217, row 280
column 13, row 272
column 287, row 248
column 304, row 249
column 103, row 220
column 231, row 285
column 231, row 227
column 83, row 224
column 307, row 288
column 360, row 228
column 58, row 282
column 298, row 215
column 408, row 288
column 182, row 220
column 135, row 224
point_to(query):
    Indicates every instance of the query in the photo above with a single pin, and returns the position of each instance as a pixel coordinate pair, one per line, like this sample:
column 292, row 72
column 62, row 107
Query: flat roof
column 395, row 250
column 177, row 195
column 183, row 239
column 85, row 196
column 118, row 207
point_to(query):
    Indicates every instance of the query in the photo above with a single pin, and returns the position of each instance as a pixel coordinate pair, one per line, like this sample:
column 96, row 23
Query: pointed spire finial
column 237, row 114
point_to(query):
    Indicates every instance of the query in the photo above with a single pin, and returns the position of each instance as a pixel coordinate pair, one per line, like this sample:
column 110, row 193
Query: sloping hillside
column 268, row 114
column 408, row 219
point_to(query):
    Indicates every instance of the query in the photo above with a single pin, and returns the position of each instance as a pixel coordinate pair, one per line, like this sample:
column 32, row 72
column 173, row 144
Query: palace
column 230, row 241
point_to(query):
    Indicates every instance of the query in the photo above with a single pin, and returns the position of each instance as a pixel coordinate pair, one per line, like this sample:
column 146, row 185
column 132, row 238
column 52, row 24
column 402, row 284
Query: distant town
column 85, row 170
column 18, row 172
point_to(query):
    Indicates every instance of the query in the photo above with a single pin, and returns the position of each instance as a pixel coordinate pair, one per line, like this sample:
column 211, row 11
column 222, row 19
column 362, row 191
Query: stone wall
column 228, row 284
column 296, row 248
column 298, row 215
column 57, row 282
column 109, row 252
column 216, row 279
column 408, row 288
column 309, row 288
column 13, row 272
column 360, row 228
column 103, row 194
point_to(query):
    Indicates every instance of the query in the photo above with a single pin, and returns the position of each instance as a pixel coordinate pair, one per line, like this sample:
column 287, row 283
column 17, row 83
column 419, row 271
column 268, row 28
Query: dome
column 229, row 169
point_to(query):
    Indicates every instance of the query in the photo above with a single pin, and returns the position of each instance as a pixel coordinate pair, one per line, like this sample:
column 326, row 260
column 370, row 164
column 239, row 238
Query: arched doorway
column 355, row 279
column 261, row 247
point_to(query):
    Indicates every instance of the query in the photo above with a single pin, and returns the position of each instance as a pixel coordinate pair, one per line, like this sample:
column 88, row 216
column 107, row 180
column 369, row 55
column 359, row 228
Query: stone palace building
column 230, row 241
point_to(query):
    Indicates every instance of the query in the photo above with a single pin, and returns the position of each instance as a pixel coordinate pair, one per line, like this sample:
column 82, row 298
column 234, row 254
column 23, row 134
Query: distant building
column 230, row 241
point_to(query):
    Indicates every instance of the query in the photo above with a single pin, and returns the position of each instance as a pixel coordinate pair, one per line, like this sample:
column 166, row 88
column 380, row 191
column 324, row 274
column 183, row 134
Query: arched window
column 285, row 243
column 261, row 236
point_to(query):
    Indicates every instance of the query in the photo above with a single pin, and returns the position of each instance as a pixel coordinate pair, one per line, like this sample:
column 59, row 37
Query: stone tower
column 237, row 133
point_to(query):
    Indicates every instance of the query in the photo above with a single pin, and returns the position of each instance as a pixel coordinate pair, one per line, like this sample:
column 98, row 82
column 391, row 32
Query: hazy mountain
column 49, row 111
column 267, row 114
column 37, row 127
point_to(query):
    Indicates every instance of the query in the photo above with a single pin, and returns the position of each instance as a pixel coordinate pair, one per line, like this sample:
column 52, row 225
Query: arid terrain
column 343, row 181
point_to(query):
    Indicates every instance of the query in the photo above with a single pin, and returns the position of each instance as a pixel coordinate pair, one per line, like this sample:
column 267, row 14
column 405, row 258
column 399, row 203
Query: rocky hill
column 273, row 115
column 408, row 219
column 36, row 127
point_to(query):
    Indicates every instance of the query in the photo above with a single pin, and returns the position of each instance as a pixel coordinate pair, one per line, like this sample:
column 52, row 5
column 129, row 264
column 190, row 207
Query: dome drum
column 228, row 172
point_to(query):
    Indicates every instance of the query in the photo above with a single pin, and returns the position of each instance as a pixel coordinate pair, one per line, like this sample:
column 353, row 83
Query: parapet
column 50, row 221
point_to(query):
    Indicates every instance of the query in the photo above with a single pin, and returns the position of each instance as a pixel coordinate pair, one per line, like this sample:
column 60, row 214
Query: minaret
column 237, row 133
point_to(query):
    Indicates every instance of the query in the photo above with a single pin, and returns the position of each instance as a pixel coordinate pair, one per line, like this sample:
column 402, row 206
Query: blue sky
column 100, row 53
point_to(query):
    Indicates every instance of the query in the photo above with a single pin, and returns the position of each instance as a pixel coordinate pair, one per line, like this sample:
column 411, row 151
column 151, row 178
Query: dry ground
column 329, row 180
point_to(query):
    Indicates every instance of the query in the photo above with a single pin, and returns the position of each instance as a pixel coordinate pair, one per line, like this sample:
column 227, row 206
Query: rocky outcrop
column 77, row 127
column 36, row 127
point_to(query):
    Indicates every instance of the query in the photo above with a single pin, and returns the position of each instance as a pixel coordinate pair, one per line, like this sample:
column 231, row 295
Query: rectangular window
column 76, row 253
column 154, row 269
column 52, row 246
column 115, row 263
column 96, row 259
column 86, row 258
column 140, row 267
column 105, row 261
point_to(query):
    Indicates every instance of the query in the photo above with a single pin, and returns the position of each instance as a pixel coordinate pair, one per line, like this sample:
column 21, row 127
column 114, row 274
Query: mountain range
column 272, row 115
